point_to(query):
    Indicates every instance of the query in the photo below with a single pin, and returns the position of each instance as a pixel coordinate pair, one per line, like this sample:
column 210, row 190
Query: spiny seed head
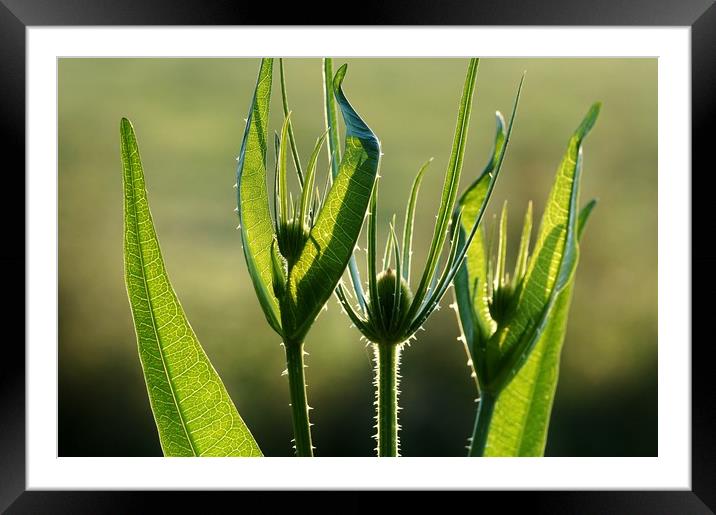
column 501, row 303
column 292, row 236
column 386, row 282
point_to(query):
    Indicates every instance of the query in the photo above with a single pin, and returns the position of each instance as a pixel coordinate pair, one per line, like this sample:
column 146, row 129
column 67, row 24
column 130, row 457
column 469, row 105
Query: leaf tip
column 339, row 76
column 500, row 121
column 584, row 215
column 590, row 119
column 125, row 125
column 594, row 110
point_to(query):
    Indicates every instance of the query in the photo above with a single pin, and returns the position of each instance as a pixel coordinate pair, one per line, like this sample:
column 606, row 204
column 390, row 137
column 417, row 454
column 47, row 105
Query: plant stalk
column 482, row 423
column 387, row 357
column 299, row 405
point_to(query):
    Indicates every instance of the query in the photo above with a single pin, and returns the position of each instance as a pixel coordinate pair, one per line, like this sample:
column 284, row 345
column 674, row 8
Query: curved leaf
column 257, row 232
column 334, row 157
column 191, row 407
column 333, row 237
column 471, row 280
column 410, row 221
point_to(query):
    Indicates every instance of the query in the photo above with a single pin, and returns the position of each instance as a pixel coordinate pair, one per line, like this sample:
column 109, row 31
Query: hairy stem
column 387, row 358
column 299, row 405
column 482, row 423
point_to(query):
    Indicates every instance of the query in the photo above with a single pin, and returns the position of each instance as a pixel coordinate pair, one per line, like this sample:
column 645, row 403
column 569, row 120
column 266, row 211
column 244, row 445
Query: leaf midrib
column 135, row 152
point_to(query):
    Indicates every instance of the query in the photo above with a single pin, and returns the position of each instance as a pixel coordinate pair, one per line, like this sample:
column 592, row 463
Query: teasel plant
column 390, row 314
column 513, row 327
column 296, row 258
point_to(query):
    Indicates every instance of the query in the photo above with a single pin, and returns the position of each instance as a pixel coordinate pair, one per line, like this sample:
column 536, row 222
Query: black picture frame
column 17, row 15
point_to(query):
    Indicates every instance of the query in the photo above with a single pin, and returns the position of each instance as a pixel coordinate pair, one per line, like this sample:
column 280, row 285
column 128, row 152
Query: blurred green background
column 188, row 114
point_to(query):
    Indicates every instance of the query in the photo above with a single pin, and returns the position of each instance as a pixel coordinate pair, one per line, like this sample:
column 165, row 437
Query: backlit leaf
column 471, row 280
column 192, row 409
column 522, row 412
column 257, row 231
column 333, row 237
column 530, row 342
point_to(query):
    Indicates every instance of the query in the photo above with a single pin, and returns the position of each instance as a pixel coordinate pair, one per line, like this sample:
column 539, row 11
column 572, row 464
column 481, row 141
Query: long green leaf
column 521, row 419
column 333, row 237
column 531, row 341
column 257, row 232
column 191, row 407
column 291, row 137
column 410, row 221
column 471, row 280
column 372, row 255
column 451, row 184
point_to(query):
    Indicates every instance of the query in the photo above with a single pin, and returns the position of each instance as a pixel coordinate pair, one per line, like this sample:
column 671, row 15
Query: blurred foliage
column 189, row 114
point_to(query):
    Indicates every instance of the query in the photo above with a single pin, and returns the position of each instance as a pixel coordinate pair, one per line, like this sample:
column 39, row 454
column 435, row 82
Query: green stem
column 299, row 405
column 482, row 423
column 387, row 357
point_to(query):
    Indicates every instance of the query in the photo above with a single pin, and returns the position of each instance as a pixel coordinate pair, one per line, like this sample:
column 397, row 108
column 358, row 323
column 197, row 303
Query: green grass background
column 188, row 114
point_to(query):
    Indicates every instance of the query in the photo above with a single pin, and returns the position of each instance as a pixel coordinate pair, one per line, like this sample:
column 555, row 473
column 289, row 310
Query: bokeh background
column 188, row 114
